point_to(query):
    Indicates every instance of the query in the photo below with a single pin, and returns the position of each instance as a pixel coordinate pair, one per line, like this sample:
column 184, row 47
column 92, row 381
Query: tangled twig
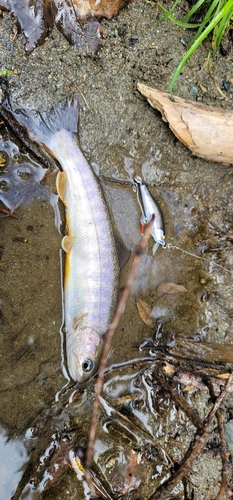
column 196, row 446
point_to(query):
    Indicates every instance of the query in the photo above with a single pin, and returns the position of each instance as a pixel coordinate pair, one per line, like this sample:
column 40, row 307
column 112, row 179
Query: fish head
column 84, row 348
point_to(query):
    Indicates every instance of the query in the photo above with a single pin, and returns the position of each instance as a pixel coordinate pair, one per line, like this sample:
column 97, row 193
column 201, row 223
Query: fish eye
column 88, row 365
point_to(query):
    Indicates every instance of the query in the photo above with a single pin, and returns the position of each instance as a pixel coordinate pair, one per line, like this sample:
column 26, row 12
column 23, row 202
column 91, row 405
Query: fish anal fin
column 67, row 243
column 61, row 183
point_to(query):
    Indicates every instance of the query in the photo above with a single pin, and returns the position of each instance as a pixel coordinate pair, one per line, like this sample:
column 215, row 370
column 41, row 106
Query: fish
column 91, row 277
column 150, row 207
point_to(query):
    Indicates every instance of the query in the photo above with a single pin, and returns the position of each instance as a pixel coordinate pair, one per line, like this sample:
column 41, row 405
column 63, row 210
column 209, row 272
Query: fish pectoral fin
column 76, row 320
column 67, row 243
column 61, row 183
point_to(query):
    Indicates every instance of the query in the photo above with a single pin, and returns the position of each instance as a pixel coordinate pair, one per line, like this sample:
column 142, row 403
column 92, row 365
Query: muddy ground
column 120, row 134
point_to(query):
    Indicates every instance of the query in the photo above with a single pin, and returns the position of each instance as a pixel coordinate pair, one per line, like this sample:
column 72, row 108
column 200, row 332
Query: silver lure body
column 149, row 208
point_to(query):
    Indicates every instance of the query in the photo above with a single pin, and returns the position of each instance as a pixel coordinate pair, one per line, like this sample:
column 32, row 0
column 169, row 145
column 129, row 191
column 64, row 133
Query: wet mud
column 120, row 135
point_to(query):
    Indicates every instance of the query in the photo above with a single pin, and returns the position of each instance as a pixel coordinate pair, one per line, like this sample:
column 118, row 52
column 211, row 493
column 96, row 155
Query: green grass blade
column 164, row 17
column 176, row 21
column 216, row 19
column 220, row 30
column 193, row 10
column 206, row 20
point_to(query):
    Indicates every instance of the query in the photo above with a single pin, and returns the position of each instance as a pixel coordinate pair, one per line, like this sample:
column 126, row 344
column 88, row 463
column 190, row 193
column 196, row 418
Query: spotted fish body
column 91, row 267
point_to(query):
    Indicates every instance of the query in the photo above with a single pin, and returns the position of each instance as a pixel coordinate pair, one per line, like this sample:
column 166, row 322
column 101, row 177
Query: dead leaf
column 76, row 19
column 132, row 481
column 205, row 130
column 223, row 375
column 144, row 311
column 189, row 388
column 128, row 471
column 58, row 465
column 170, row 288
column 168, row 368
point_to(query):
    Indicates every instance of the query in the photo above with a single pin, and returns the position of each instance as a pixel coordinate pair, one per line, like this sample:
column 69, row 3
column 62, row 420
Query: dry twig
column 224, row 482
column 219, row 399
column 181, row 402
column 107, row 346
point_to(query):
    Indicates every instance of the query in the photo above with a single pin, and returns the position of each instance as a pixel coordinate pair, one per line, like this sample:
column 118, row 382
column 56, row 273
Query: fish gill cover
column 75, row 19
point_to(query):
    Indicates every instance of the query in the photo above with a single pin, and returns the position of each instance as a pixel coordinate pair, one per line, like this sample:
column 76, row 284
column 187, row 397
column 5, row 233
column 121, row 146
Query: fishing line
column 172, row 247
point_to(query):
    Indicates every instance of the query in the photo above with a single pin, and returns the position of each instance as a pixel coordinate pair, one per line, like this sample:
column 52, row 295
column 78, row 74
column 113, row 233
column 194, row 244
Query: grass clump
column 217, row 19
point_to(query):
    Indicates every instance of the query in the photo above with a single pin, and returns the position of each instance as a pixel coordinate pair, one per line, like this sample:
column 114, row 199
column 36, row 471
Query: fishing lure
column 150, row 207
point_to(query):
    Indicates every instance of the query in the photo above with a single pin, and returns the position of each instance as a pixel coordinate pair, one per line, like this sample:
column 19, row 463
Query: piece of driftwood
column 205, row 130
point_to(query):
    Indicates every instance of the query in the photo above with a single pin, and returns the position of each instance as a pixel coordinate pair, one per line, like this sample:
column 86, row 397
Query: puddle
column 32, row 367
column 15, row 457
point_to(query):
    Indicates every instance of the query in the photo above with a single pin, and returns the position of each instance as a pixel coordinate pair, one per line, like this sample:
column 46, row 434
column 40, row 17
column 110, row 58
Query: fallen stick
column 107, row 346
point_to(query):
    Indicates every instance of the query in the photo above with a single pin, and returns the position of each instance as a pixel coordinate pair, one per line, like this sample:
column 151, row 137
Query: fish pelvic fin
column 41, row 126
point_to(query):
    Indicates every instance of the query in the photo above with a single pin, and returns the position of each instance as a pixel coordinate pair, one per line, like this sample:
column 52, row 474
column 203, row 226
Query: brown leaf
column 168, row 368
column 170, row 288
column 144, row 311
column 76, row 19
column 58, row 465
column 223, row 375
column 205, row 130
column 132, row 471
column 128, row 471
column 189, row 388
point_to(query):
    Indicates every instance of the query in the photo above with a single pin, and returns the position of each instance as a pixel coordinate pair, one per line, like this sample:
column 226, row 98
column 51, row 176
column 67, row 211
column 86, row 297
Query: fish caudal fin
column 41, row 127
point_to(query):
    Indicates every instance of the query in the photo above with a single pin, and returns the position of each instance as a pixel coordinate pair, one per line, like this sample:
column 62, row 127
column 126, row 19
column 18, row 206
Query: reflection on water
column 20, row 180
column 13, row 457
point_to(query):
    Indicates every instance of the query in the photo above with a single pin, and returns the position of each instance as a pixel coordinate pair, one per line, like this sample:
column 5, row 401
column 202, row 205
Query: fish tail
column 41, row 127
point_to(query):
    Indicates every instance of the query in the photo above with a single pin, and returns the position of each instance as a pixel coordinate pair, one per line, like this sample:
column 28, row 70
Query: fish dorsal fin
column 61, row 184
column 122, row 251
column 67, row 243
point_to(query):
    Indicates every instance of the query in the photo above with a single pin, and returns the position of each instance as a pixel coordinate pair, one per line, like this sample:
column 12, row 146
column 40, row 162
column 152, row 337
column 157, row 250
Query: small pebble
column 132, row 41
column 226, row 85
column 193, row 91
column 183, row 40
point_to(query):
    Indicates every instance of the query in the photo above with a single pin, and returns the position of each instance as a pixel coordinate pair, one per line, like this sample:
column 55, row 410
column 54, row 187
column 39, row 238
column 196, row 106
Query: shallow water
column 15, row 456
column 120, row 135
column 32, row 368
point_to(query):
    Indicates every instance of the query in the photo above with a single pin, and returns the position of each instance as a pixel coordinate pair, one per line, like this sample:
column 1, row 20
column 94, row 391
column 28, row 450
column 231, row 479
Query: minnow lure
column 150, row 207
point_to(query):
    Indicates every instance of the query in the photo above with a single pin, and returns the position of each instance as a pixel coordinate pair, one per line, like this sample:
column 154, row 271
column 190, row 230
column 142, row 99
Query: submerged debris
column 76, row 20
column 144, row 311
column 150, row 432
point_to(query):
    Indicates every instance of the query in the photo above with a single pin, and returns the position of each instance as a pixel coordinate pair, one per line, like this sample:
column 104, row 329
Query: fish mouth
column 84, row 348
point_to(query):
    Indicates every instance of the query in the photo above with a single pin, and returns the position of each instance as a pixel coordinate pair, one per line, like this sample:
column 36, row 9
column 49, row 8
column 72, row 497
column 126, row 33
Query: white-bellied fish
column 150, row 207
column 91, row 267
